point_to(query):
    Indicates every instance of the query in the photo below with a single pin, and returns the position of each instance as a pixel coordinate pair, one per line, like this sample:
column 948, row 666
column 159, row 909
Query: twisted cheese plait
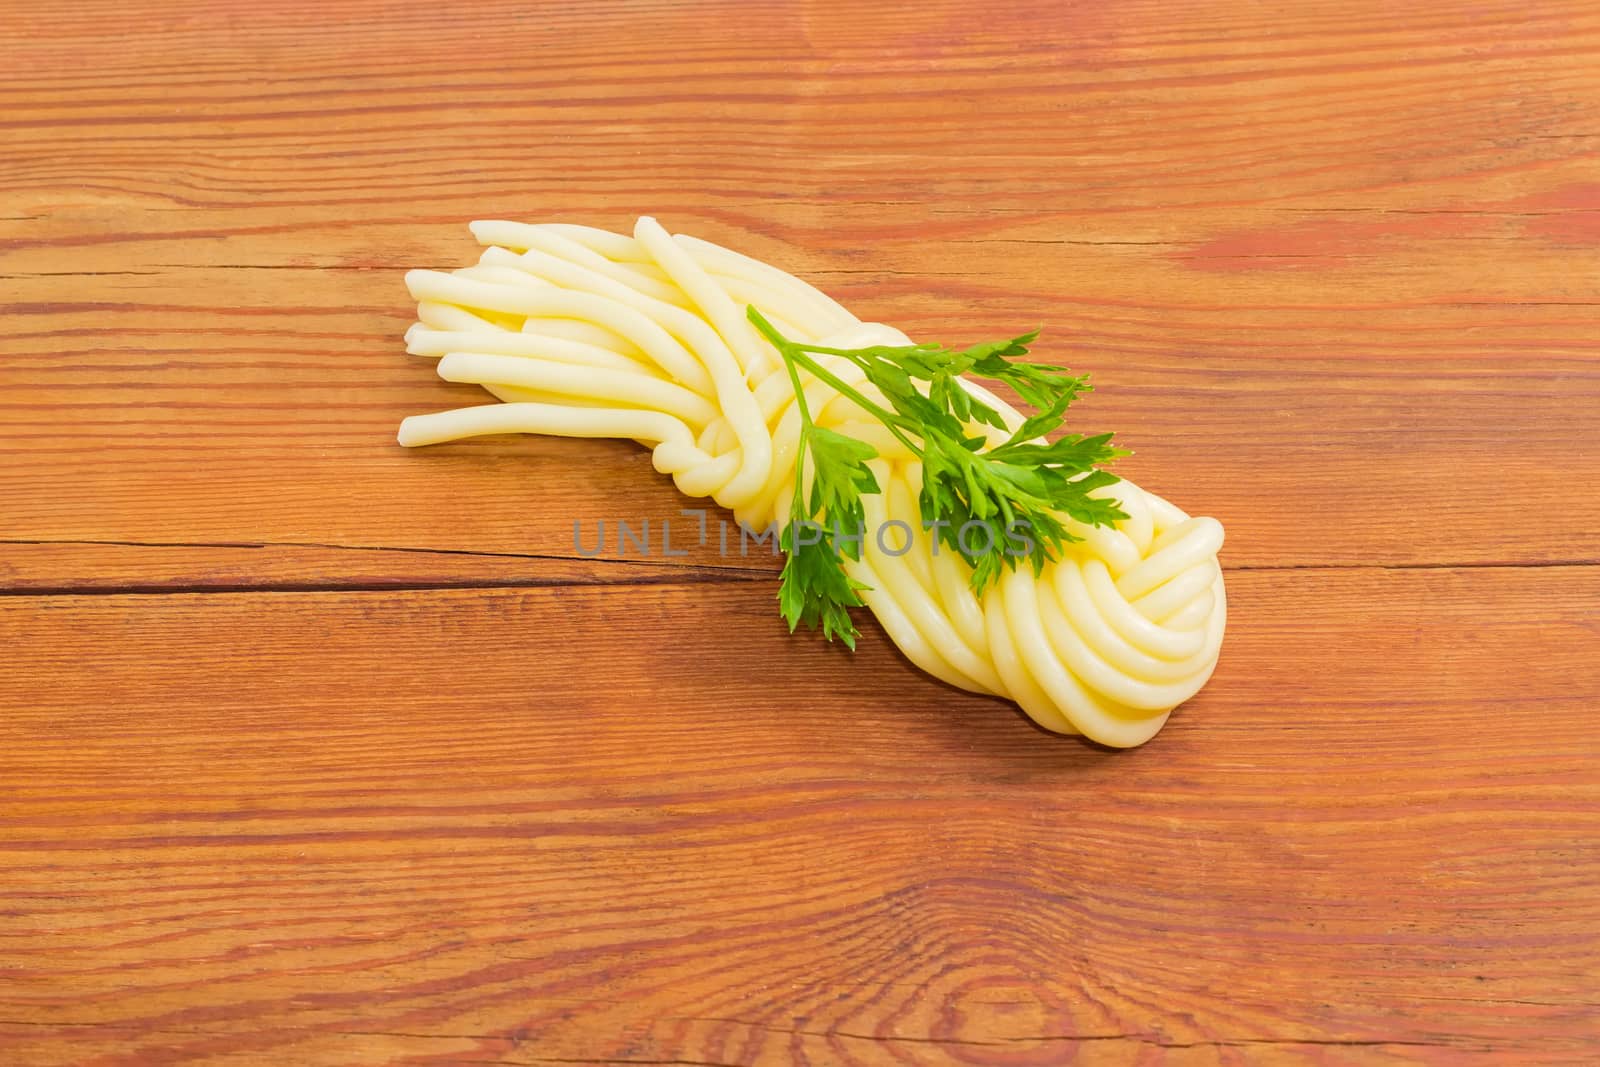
column 586, row 333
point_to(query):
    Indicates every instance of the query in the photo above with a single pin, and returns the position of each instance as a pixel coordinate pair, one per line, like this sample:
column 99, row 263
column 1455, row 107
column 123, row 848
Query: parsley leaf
column 991, row 505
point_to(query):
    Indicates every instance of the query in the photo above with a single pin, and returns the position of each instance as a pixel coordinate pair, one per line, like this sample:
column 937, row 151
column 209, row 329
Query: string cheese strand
column 586, row 333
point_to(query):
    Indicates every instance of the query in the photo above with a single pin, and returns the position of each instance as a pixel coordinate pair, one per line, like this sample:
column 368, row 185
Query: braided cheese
column 585, row 333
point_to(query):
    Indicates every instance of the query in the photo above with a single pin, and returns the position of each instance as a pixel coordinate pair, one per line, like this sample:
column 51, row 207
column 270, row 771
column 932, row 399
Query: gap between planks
column 604, row 571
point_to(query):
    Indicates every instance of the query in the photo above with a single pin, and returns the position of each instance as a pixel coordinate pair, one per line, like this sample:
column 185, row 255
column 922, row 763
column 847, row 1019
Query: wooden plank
column 1336, row 282
column 434, row 826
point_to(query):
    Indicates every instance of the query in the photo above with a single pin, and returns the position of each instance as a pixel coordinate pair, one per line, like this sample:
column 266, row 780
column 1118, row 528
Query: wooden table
column 317, row 751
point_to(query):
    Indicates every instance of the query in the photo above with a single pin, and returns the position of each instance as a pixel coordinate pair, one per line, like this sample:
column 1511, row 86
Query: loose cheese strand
column 587, row 333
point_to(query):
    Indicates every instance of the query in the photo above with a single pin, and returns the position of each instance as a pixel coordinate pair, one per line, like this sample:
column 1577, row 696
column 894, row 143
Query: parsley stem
column 789, row 365
column 797, row 506
column 891, row 420
column 794, row 353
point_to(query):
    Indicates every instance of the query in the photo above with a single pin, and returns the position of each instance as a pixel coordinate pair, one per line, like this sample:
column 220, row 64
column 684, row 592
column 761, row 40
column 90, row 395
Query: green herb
column 1014, row 492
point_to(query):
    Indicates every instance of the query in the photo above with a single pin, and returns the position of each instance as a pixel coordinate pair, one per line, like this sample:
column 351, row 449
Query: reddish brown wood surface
column 316, row 751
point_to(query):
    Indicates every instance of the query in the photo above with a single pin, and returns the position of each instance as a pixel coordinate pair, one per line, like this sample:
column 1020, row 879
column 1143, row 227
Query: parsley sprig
column 1015, row 492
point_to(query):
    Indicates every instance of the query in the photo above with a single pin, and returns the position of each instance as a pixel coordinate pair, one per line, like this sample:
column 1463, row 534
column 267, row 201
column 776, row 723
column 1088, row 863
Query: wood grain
column 316, row 751
column 531, row 862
